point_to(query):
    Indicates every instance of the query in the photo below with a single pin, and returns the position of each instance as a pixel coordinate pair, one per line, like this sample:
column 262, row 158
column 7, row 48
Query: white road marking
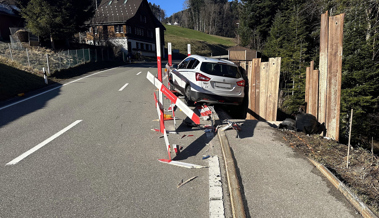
column 139, row 73
column 216, row 205
column 10, row 105
column 34, row 149
column 122, row 88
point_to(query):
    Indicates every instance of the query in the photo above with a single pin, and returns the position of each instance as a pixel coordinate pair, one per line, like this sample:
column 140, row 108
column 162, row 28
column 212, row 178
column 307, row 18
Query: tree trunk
column 52, row 42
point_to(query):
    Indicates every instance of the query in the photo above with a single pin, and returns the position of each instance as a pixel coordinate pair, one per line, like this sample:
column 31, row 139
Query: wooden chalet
column 127, row 23
column 9, row 17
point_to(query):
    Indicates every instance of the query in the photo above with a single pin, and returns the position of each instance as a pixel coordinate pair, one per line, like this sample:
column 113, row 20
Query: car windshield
column 218, row 69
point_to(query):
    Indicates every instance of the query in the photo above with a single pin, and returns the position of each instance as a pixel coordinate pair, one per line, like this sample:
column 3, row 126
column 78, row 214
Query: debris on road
column 187, row 181
column 206, row 157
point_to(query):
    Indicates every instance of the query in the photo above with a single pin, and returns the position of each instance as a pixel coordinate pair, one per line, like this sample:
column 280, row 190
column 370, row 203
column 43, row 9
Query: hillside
column 201, row 43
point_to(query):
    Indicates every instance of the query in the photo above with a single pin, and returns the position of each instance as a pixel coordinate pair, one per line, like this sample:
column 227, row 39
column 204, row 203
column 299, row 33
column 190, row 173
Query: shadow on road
column 13, row 108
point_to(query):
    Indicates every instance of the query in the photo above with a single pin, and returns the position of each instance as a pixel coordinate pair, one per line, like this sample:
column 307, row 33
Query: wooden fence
column 323, row 86
column 263, row 88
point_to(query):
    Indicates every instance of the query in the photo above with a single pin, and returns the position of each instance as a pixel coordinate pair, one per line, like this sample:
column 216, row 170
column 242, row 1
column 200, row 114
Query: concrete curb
column 238, row 209
column 351, row 197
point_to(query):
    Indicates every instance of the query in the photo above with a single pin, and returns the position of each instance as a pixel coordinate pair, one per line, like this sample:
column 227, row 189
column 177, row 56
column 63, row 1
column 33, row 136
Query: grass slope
column 14, row 81
column 201, row 43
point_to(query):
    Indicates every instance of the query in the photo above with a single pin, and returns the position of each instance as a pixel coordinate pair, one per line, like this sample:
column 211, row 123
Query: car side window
column 193, row 64
column 184, row 63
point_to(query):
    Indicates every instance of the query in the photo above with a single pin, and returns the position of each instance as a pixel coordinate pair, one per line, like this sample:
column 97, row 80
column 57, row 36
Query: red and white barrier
column 204, row 111
column 187, row 111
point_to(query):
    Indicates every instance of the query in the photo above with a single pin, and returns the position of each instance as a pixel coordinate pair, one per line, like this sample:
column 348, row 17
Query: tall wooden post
column 273, row 88
column 257, row 72
column 251, row 79
column 264, row 90
column 313, row 107
column 323, row 67
column 334, row 75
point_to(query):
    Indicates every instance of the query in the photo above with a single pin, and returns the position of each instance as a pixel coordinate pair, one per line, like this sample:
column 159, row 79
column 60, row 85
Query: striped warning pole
column 169, row 54
column 159, row 63
column 162, row 127
column 189, row 49
column 187, row 111
column 159, row 59
column 160, row 114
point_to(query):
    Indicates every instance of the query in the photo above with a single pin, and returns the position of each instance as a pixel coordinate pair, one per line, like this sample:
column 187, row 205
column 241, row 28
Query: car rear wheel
column 187, row 96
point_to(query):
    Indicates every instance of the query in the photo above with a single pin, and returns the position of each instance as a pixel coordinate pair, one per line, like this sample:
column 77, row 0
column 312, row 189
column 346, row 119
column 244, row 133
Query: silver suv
column 202, row 79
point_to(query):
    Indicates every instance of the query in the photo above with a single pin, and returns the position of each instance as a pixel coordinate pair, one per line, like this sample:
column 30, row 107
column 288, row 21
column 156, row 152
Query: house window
column 150, row 34
column 118, row 29
column 139, row 31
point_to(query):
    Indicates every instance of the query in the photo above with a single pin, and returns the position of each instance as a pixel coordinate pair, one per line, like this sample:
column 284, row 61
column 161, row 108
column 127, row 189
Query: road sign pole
column 169, row 54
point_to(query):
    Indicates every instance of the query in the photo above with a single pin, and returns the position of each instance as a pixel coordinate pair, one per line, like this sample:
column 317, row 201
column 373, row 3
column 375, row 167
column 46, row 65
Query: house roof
column 8, row 7
column 120, row 11
column 116, row 11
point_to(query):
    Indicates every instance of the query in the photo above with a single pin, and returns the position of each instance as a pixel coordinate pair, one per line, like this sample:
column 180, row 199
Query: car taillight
column 241, row 83
column 201, row 77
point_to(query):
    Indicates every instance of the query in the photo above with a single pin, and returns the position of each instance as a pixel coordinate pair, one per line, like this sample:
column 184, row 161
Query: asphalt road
column 86, row 149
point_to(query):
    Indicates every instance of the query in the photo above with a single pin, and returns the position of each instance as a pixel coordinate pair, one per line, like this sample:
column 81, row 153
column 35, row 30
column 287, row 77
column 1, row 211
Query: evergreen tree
column 360, row 79
column 287, row 39
column 56, row 19
column 257, row 16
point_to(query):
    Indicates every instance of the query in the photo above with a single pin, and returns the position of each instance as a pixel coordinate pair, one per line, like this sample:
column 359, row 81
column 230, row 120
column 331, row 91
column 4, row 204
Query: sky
column 169, row 6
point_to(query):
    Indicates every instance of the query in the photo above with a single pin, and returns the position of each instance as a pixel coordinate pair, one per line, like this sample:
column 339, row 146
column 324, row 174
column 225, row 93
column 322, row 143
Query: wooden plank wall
column 323, row 87
column 311, row 90
column 264, row 89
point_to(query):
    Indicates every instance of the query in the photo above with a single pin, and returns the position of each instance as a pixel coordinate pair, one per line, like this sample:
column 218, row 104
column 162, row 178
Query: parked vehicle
column 213, row 81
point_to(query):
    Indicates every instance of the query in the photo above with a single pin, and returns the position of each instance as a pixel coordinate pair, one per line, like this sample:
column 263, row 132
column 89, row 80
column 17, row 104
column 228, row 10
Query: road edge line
column 238, row 209
column 340, row 186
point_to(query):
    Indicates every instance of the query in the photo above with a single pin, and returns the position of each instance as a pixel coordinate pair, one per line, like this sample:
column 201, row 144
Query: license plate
column 223, row 85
